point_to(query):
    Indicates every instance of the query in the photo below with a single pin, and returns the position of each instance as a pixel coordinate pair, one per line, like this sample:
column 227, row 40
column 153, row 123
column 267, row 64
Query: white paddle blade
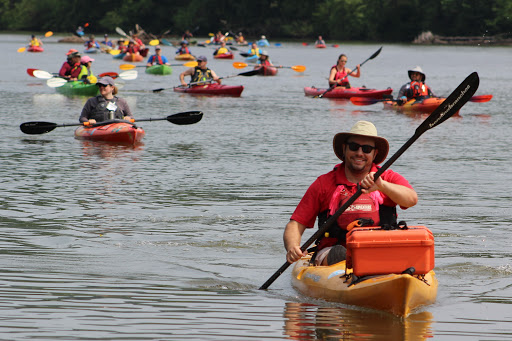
column 42, row 74
column 55, row 82
column 128, row 75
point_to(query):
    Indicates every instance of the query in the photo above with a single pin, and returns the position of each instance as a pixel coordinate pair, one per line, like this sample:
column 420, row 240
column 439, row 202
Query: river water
column 171, row 240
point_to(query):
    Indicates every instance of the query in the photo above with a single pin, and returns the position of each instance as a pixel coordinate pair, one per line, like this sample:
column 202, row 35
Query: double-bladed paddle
column 334, row 85
column 56, row 82
column 246, row 74
column 450, row 106
column 131, row 66
column 369, row 101
column 182, row 118
column 298, row 68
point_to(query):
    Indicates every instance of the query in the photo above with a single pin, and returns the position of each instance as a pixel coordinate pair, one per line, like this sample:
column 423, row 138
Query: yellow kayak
column 399, row 294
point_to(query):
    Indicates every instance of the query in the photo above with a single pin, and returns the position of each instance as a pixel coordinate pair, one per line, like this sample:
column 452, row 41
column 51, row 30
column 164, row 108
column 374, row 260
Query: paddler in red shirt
column 72, row 67
column 360, row 150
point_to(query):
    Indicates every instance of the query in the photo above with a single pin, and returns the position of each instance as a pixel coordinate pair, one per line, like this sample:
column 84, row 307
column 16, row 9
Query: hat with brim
column 419, row 70
column 362, row 129
column 106, row 80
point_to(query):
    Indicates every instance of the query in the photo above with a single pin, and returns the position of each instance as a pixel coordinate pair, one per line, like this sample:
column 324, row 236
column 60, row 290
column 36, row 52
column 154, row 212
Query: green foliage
column 375, row 20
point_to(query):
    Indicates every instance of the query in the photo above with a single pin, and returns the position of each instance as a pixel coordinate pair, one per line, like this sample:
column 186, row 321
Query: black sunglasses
column 355, row 147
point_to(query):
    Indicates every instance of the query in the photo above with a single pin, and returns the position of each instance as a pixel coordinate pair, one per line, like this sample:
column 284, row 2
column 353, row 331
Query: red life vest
column 156, row 59
column 365, row 206
column 418, row 89
column 340, row 75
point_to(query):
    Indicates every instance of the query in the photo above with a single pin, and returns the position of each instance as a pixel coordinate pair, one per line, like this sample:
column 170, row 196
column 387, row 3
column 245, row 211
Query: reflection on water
column 305, row 321
column 169, row 240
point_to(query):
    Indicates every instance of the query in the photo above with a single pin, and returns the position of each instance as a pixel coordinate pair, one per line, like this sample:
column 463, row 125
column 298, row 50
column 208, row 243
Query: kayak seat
column 336, row 254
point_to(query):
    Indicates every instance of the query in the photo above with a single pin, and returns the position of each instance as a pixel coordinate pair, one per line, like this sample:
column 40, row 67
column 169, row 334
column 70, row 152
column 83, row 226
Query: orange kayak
column 133, row 57
column 424, row 105
column 117, row 131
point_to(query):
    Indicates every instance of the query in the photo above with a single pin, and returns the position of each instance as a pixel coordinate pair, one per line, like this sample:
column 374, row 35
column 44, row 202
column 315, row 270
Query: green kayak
column 159, row 70
column 77, row 88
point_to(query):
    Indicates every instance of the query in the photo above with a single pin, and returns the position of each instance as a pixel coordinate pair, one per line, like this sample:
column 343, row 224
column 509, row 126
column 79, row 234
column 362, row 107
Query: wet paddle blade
column 183, row 118
column 110, row 74
column 42, row 74
column 56, row 82
column 114, row 52
column 129, row 75
column 239, row 65
column 36, row 128
column 31, row 72
column 249, row 73
column 22, row 49
column 190, row 64
column 127, row 66
column 298, row 68
column 154, row 42
column 481, row 98
column 48, row 34
column 452, row 103
column 120, row 32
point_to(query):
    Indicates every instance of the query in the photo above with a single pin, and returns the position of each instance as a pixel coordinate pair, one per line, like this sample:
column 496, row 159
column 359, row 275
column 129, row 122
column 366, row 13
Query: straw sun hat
column 365, row 129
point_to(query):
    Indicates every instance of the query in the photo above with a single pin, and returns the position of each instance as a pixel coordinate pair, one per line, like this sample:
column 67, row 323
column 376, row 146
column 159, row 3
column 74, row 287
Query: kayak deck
column 398, row 294
column 340, row 92
column 423, row 105
column 78, row 88
column 212, row 89
column 159, row 70
column 116, row 131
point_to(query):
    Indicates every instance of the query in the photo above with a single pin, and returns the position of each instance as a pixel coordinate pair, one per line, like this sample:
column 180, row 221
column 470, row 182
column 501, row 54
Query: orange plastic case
column 374, row 251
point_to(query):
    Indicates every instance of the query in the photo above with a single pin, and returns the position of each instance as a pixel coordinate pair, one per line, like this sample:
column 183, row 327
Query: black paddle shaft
column 450, row 106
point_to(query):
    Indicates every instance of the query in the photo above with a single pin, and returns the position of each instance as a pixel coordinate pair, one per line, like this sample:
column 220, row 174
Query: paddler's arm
column 356, row 74
column 188, row 72
column 291, row 237
column 331, row 77
column 403, row 196
column 215, row 77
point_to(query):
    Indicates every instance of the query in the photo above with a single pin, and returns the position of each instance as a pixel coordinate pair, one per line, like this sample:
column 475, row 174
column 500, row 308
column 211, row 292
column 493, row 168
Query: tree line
column 351, row 20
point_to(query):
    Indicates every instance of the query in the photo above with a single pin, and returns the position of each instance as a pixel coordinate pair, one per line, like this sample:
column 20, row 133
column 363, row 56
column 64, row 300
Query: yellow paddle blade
column 114, row 52
column 239, row 65
column 154, row 42
column 211, row 34
column 190, row 64
column 207, row 41
column 22, row 49
column 299, row 68
column 48, row 34
column 127, row 66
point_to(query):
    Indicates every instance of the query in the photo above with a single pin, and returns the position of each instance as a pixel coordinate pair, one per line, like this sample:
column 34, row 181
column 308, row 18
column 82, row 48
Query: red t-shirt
column 319, row 194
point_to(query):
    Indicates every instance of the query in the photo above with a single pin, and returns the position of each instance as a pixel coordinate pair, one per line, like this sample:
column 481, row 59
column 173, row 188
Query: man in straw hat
column 416, row 88
column 361, row 150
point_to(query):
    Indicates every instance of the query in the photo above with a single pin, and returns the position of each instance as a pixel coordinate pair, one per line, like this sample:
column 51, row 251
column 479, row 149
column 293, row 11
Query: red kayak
column 320, row 46
column 266, row 70
column 35, row 49
column 117, row 131
column 212, row 89
column 224, row 56
column 340, row 92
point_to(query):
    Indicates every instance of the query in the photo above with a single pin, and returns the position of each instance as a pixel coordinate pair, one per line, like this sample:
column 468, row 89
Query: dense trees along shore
column 362, row 20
